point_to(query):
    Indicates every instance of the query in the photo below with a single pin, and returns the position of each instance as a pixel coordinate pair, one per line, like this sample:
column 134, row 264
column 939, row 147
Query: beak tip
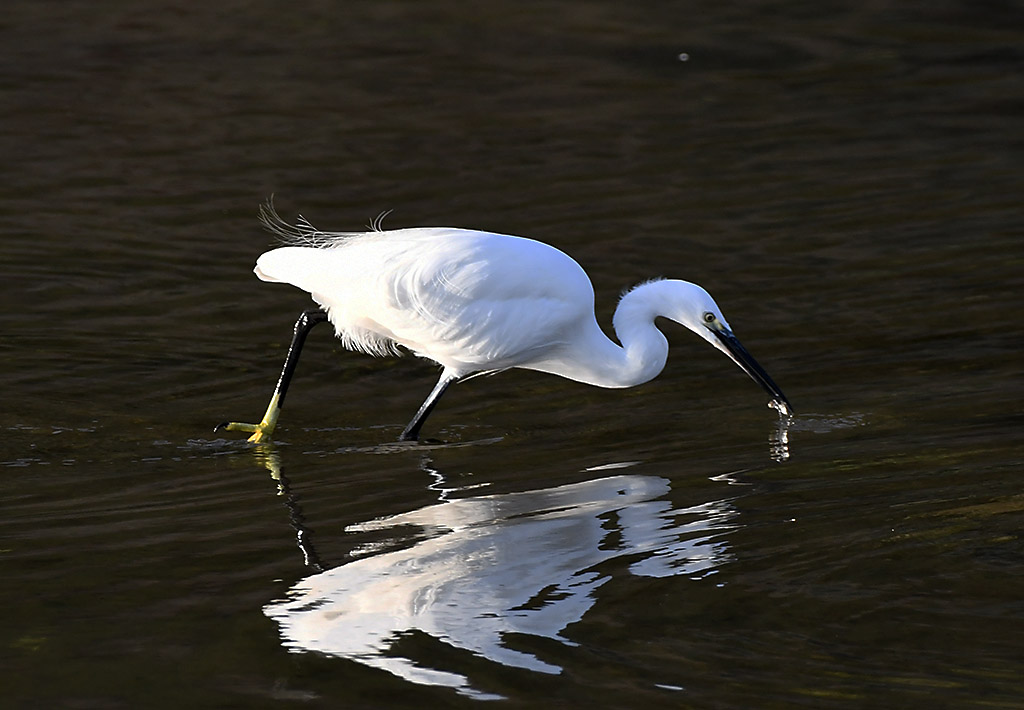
column 748, row 364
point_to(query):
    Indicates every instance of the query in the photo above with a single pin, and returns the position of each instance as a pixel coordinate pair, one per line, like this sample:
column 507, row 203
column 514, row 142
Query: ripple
column 825, row 423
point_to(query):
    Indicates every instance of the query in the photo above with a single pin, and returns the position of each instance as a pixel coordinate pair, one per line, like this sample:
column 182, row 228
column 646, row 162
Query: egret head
column 694, row 308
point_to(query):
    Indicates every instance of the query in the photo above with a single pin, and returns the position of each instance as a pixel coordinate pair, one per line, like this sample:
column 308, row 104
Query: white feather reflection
column 490, row 566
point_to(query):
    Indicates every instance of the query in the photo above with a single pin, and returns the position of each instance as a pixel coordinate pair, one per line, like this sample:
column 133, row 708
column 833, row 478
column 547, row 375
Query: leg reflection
column 271, row 460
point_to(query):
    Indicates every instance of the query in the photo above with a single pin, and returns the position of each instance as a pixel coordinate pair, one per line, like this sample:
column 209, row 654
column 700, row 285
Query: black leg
column 265, row 428
column 303, row 325
column 412, row 432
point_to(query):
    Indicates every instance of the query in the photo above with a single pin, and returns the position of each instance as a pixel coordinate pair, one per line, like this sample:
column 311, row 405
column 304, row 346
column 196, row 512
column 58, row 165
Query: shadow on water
column 481, row 573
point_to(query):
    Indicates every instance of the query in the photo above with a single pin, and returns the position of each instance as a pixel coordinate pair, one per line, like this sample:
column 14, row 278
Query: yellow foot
column 259, row 431
column 263, row 430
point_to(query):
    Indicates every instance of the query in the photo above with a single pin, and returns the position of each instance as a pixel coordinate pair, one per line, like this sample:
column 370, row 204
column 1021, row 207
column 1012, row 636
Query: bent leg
column 265, row 428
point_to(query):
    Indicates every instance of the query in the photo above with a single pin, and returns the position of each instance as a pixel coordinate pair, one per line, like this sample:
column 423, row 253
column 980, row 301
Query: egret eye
column 709, row 317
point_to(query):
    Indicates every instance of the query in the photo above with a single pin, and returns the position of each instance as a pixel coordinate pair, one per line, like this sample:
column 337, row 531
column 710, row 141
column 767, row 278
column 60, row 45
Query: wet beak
column 735, row 350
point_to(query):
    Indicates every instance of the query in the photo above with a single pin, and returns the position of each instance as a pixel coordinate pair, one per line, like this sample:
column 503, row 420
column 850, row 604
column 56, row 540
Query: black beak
column 749, row 365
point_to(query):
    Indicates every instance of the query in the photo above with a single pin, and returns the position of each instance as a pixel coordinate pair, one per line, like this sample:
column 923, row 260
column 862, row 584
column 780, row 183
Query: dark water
column 846, row 182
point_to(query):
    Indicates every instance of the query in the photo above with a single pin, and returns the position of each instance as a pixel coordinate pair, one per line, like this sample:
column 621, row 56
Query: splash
column 781, row 407
column 778, row 440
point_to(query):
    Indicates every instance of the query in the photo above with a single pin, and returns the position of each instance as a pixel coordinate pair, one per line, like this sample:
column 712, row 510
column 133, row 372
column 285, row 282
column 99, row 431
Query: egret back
column 471, row 301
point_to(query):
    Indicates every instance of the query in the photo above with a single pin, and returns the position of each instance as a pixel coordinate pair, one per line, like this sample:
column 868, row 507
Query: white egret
column 476, row 302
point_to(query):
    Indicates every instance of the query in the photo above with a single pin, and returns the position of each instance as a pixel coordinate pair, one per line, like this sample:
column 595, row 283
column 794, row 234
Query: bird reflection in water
column 484, row 568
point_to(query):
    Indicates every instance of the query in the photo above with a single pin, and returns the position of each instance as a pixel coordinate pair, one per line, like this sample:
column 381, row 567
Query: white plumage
column 481, row 302
column 470, row 301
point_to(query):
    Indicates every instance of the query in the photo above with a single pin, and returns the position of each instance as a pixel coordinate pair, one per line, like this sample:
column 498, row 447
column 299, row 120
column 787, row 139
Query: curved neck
column 644, row 347
column 595, row 359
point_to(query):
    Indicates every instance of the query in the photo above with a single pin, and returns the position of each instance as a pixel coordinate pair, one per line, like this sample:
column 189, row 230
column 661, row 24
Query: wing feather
column 471, row 301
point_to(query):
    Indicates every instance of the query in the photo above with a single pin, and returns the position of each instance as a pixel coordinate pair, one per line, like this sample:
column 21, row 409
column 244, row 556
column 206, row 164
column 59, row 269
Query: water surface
column 846, row 183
